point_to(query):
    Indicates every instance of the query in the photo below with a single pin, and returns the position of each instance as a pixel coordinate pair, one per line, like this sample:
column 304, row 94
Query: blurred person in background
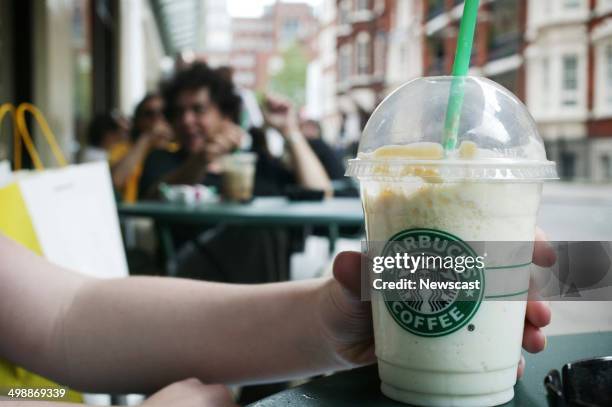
column 311, row 129
column 104, row 132
column 280, row 114
column 204, row 110
column 150, row 131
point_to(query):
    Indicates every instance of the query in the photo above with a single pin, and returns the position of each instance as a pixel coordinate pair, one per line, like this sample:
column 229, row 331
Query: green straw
column 461, row 66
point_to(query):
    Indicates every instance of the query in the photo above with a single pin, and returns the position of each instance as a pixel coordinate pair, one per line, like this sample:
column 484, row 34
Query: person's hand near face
column 347, row 321
column 159, row 136
column 280, row 114
column 226, row 139
column 310, row 129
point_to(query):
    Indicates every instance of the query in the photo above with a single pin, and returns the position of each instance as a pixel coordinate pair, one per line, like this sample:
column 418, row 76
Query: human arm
column 158, row 137
column 331, row 162
column 122, row 170
column 309, row 171
column 139, row 334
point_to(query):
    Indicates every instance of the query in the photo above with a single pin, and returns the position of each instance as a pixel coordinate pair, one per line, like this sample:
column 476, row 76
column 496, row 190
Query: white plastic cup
column 238, row 177
column 465, row 354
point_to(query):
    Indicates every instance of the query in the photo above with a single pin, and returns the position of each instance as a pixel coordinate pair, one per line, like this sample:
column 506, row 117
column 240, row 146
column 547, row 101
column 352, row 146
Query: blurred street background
column 94, row 68
column 335, row 59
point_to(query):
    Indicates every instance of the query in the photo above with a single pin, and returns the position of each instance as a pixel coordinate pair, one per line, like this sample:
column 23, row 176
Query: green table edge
column 278, row 212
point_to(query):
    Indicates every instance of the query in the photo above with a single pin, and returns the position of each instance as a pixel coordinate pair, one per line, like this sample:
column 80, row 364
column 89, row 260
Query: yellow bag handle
column 22, row 128
column 10, row 108
column 20, row 131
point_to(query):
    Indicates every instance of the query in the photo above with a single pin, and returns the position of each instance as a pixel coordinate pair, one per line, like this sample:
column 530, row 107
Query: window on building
column 545, row 81
column 606, row 165
column 570, row 80
column 363, row 53
column 434, row 46
column 568, row 165
column 571, row 4
column 508, row 80
column 344, row 12
column 379, row 53
column 362, row 5
column 547, row 6
column 505, row 34
column 379, row 6
column 403, row 55
column 290, row 29
column 344, row 63
column 434, row 8
column 608, row 70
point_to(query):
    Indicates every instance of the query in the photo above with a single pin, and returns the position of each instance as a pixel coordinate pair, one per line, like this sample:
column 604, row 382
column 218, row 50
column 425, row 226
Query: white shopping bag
column 5, row 173
column 74, row 215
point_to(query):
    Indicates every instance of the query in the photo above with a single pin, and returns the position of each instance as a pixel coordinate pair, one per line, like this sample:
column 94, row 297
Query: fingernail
column 545, row 342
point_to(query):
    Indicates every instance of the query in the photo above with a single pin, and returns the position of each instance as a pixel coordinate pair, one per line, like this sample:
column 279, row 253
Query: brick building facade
column 498, row 44
column 324, row 107
column 362, row 32
column 556, row 56
column 256, row 41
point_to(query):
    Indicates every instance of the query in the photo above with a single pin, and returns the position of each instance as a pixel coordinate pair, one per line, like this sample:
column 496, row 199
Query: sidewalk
column 571, row 317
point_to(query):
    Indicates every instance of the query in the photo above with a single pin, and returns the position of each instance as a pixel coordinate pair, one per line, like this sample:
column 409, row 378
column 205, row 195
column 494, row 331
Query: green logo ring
column 465, row 308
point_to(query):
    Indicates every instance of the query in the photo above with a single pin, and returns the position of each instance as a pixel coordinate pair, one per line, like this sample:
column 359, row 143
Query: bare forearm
column 138, row 334
column 309, row 171
column 148, row 332
column 33, row 296
column 122, row 171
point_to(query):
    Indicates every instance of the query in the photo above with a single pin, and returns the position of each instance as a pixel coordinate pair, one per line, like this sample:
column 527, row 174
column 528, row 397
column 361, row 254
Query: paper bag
column 74, row 214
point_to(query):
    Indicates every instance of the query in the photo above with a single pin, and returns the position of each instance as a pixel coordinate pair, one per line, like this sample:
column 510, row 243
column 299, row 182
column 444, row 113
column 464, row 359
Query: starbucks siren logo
column 433, row 312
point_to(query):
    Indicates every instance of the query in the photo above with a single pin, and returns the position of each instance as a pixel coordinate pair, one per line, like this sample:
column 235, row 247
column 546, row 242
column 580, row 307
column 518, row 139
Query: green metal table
column 263, row 212
column 361, row 387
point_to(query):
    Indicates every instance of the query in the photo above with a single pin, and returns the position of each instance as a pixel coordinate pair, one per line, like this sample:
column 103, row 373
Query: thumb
column 347, row 271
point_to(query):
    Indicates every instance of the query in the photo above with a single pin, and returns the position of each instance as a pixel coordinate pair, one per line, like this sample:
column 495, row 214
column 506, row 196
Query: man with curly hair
column 204, row 108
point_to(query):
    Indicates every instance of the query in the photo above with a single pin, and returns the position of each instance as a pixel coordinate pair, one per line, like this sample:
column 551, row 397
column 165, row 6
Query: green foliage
column 290, row 81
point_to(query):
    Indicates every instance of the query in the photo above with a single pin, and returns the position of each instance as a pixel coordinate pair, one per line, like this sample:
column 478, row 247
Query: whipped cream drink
column 460, row 353
column 466, row 367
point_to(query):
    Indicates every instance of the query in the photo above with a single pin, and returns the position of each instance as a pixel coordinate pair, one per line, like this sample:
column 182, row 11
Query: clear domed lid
column 497, row 138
